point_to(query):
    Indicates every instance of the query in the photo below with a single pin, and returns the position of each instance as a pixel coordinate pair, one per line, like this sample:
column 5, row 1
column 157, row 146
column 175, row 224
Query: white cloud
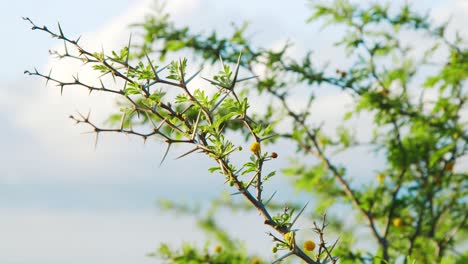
column 42, row 144
column 46, row 112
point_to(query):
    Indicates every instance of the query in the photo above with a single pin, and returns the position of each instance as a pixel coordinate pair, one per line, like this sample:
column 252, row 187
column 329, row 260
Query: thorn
column 81, row 115
column 196, row 125
column 102, row 84
column 150, row 120
column 165, row 153
column 188, row 108
column 181, row 72
column 193, row 76
column 66, row 48
column 156, row 77
column 48, row 77
column 128, row 48
column 96, row 141
column 60, row 29
column 215, row 83
column 160, row 70
column 283, row 257
column 248, row 78
column 221, row 59
column 187, row 153
column 210, row 81
column 300, row 212
column 268, row 137
column 161, row 124
column 336, row 242
column 251, row 181
column 269, row 199
column 236, row 72
column 125, row 84
column 218, row 103
column 122, row 121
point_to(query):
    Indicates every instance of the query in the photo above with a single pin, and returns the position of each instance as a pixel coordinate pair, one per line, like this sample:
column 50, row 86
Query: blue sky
column 62, row 201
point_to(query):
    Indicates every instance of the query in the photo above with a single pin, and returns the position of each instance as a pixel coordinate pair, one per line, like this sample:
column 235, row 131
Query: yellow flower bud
column 397, row 222
column 255, row 147
column 256, row 260
column 288, row 237
column 384, row 92
column 380, row 178
column 309, row 245
column 449, row 166
column 218, row 248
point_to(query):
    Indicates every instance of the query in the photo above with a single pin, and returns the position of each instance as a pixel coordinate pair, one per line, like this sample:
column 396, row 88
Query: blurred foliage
column 421, row 136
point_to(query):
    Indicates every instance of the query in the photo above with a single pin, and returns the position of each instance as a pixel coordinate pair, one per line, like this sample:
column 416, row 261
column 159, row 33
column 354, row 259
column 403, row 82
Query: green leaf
column 174, row 45
column 439, row 154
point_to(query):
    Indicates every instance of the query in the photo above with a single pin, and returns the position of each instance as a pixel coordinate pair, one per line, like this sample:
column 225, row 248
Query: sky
column 62, row 200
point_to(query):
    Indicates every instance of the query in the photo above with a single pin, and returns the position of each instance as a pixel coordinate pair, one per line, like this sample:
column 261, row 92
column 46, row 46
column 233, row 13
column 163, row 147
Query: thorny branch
column 171, row 118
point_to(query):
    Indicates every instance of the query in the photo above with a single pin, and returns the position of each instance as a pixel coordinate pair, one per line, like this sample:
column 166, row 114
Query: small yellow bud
column 449, row 166
column 274, row 250
column 288, row 237
column 255, row 147
column 380, row 178
column 309, row 245
column 256, row 260
column 218, row 249
column 323, row 141
column 397, row 222
column 384, row 92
